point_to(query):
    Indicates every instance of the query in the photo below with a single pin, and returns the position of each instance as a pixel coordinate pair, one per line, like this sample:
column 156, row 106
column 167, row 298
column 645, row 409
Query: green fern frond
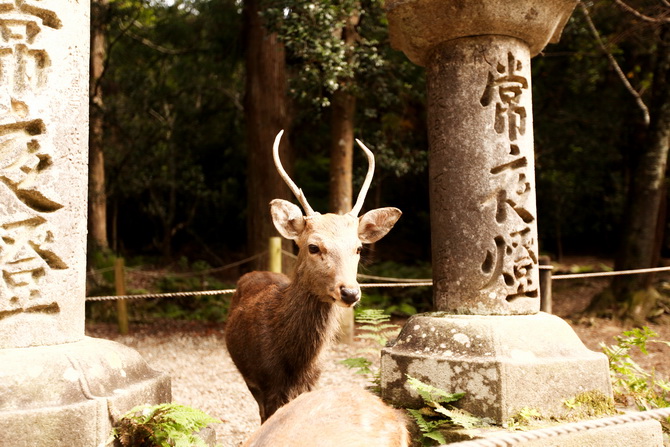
column 165, row 425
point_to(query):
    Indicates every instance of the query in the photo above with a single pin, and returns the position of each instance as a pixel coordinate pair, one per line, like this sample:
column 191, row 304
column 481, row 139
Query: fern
column 436, row 415
column 429, row 429
column 374, row 326
column 629, row 379
column 430, row 394
column 163, row 425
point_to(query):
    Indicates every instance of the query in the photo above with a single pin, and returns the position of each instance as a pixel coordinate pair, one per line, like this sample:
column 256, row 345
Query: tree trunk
column 342, row 132
column 342, row 160
column 639, row 240
column 341, row 152
column 97, row 205
column 266, row 112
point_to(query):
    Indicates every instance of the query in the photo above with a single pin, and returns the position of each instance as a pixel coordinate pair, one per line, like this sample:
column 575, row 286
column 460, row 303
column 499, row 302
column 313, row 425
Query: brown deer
column 278, row 326
column 333, row 416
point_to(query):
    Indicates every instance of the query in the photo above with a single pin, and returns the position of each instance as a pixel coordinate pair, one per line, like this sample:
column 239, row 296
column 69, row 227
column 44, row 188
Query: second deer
column 278, row 326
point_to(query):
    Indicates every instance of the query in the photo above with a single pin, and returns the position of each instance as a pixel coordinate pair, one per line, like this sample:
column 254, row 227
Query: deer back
column 333, row 417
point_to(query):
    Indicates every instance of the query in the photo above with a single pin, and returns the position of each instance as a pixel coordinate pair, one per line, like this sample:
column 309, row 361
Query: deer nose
column 350, row 296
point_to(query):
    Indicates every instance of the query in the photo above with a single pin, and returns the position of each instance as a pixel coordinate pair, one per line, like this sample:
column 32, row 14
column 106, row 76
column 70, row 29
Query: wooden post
column 545, row 284
column 275, row 255
column 121, row 305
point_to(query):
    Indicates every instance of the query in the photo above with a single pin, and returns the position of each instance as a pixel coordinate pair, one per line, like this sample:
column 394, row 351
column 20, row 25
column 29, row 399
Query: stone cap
column 417, row 26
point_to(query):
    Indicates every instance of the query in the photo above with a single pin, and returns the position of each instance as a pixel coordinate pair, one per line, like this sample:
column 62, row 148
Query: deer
column 277, row 326
column 333, row 416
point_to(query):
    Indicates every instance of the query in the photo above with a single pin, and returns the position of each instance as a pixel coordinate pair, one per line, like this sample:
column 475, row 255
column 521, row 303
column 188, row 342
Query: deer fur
column 277, row 326
column 333, row 416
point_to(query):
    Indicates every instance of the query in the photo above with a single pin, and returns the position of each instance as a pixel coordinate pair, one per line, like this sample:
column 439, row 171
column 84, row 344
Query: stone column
column 57, row 387
column 487, row 338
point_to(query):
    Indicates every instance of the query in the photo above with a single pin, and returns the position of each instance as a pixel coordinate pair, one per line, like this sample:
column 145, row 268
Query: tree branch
column 641, row 16
column 615, row 65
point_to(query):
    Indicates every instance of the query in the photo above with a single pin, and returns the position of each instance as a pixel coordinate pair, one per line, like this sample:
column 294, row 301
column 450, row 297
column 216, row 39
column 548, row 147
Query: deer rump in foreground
column 334, row 416
column 277, row 326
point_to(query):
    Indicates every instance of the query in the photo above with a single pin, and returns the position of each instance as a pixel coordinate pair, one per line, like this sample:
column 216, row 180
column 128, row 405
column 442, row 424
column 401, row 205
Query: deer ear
column 287, row 217
column 374, row 224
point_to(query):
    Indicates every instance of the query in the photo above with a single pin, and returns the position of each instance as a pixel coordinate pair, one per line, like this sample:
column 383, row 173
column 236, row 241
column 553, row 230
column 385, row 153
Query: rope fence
column 389, row 281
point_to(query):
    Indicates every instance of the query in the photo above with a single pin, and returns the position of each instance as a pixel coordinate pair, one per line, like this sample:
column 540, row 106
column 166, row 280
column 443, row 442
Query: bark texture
column 266, row 111
column 97, row 202
column 639, row 241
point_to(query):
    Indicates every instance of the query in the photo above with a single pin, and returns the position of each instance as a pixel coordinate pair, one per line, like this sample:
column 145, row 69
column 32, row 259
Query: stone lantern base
column 66, row 394
column 501, row 363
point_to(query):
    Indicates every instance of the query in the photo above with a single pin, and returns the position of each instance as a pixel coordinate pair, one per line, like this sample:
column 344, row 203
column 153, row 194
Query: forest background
column 187, row 96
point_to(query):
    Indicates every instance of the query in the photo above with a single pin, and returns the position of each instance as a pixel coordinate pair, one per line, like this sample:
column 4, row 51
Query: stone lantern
column 487, row 337
column 57, row 386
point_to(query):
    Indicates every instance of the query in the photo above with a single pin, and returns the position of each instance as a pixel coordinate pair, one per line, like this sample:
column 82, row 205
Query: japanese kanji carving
column 27, row 198
column 508, row 264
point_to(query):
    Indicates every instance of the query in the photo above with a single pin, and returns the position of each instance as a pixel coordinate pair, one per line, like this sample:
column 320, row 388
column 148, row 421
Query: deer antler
column 368, row 179
column 296, row 191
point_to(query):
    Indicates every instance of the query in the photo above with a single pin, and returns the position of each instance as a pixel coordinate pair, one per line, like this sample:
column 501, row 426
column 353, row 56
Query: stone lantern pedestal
column 57, row 386
column 487, row 338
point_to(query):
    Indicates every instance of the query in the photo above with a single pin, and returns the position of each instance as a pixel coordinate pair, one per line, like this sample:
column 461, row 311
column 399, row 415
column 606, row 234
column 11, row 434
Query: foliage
column 633, row 385
column 184, row 277
column 374, row 326
column 400, row 301
column 590, row 404
column 325, row 59
column 436, row 414
column 172, row 92
column 175, row 152
column 523, row 418
column 164, row 425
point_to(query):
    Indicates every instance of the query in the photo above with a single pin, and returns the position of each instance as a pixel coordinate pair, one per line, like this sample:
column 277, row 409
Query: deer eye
column 313, row 249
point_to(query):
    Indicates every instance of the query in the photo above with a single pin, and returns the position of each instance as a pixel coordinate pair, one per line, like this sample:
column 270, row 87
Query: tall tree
column 266, row 112
column 342, row 121
column 640, row 242
column 97, row 204
column 640, row 239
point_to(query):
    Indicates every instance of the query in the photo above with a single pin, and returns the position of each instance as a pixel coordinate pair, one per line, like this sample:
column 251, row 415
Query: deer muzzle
column 350, row 296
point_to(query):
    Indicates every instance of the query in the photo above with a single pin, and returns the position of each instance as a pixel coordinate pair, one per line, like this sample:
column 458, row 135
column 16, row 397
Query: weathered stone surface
column 57, row 388
column 44, row 48
column 501, row 363
column 417, row 26
column 64, row 395
column 482, row 178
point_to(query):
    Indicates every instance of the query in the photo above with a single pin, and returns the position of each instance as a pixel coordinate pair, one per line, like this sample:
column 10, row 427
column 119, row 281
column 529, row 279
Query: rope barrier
column 391, row 279
column 574, row 427
column 160, row 295
column 612, row 273
column 393, row 282
column 397, row 284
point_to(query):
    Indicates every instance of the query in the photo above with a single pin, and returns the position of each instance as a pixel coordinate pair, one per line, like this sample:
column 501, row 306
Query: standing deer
column 278, row 326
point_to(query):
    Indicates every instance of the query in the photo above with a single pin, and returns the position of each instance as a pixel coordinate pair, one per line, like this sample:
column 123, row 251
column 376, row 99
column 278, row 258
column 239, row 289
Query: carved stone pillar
column 487, row 337
column 57, row 386
column 482, row 182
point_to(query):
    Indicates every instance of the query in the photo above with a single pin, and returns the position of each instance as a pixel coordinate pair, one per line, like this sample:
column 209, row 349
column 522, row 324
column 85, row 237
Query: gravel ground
column 203, row 375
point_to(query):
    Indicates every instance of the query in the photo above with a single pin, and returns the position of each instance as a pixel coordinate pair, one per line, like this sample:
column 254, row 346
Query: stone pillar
column 57, row 387
column 487, row 338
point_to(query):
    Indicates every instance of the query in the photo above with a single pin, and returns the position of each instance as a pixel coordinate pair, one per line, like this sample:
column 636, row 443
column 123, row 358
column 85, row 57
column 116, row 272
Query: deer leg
column 260, row 400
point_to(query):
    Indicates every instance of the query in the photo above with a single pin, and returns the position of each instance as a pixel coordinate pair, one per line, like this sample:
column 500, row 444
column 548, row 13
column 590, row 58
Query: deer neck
column 310, row 322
